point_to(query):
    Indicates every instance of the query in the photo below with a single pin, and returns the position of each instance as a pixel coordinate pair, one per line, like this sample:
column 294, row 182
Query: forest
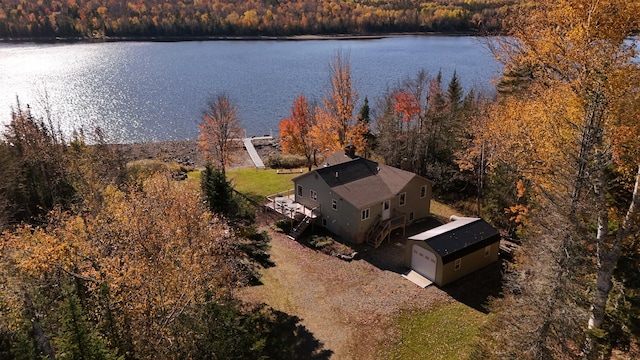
column 99, row 19
column 105, row 260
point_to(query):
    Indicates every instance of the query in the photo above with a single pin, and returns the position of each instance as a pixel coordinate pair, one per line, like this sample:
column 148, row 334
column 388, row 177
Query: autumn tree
column 295, row 131
column 421, row 127
column 341, row 96
column 139, row 264
column 558, row 129
column 220, row 132
column 335, row 125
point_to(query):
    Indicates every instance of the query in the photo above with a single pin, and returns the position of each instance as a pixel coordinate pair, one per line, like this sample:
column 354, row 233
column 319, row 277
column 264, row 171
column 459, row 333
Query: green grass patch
column 445, row 332
column 442, row 211
column 194, row 175
column 260, row 183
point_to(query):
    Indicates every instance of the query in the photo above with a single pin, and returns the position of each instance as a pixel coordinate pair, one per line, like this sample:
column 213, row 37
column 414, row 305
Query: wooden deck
column 284, row 203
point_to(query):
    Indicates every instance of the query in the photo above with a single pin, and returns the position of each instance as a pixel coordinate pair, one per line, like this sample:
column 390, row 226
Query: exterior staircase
column 377, row 233
column 300, row 227
column 381, row 230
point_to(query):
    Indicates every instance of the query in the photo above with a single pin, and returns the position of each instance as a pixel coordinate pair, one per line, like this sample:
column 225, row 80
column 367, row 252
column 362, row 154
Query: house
column 453, row 250
column 361, row 200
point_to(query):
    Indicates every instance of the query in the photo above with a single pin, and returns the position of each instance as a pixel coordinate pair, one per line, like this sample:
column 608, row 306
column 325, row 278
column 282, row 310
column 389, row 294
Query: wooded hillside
column 195, row 18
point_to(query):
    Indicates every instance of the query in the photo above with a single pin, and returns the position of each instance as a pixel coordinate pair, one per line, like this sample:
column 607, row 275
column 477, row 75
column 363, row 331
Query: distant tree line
column 197, row 18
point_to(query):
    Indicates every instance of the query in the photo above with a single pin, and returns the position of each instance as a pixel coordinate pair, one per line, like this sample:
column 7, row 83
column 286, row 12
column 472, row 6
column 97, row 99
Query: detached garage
column 453, row 250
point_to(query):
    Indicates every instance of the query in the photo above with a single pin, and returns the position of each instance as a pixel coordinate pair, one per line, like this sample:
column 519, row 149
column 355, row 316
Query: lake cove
column 152, row 91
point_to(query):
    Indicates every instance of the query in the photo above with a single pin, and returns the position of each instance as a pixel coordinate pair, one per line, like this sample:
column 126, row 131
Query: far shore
column 309, row 37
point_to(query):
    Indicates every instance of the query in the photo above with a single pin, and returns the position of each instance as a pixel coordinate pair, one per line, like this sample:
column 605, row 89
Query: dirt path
column 348, row 306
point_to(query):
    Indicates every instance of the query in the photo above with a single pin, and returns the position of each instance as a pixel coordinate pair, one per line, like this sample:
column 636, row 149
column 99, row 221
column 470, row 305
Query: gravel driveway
column 348, row 306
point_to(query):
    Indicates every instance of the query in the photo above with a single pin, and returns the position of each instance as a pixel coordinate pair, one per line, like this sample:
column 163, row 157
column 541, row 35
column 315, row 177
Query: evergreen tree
column 34, row 177
column 454, row 92
column 365, row 112
column 77, row 340
column 217, row 190
column 364, row 117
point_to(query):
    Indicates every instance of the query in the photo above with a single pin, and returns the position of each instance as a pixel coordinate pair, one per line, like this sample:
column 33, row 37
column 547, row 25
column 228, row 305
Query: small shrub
column 320, row 242
column 283, row 226
column 142, row 169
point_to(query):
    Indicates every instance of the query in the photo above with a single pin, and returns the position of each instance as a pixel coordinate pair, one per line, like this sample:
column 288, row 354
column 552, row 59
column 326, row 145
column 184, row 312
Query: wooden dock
column 248, row 144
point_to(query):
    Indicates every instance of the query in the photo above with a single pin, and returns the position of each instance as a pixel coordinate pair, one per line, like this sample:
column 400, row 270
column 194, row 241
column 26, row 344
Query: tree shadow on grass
column 288, row 339
column 232, row 329
column 478, row 288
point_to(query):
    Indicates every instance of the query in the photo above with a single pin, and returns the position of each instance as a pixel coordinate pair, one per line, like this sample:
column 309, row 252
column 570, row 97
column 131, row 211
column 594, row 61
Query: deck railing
column 381, row 230
column 284, row 203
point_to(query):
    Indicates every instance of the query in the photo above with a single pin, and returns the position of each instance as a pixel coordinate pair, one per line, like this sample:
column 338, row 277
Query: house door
column 386, row 210
column 423, row 262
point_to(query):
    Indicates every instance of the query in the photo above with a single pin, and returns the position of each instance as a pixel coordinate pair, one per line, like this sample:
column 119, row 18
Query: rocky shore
column 187, row 152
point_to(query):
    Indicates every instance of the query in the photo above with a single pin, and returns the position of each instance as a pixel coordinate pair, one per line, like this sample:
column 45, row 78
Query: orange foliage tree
column 576, row 89
column 295, row 131
column 336, row 125
column 220, row 132
column 406, row 105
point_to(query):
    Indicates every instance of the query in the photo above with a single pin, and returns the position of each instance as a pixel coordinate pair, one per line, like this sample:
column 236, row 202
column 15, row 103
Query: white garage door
column 423, row 262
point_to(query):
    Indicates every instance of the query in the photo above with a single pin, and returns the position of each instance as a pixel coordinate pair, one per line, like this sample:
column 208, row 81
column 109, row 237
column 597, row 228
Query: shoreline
column 187, row 152
column 307, row 37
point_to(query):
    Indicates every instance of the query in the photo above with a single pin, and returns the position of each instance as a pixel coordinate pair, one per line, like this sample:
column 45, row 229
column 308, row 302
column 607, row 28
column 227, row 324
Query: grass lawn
column 260, row 183
column 255, row 183
column 446, row 332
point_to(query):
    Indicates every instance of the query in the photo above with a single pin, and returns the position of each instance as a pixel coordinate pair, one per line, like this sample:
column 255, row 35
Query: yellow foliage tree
column 336, row 126
column 574, row 75
column 150, row 254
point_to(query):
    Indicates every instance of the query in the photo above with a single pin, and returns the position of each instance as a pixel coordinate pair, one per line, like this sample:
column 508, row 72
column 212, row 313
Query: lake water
column 143, row 91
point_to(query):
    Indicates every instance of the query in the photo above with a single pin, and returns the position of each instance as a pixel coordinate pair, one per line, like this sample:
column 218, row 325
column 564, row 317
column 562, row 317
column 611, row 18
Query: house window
column 403, row 199
column 411, row 216
column 334, row 204
column 324, row 222
column 487, row 251
column 457, row 264
column 423, row 191
column 365, row 214
column 314, row 195
column 300, row 190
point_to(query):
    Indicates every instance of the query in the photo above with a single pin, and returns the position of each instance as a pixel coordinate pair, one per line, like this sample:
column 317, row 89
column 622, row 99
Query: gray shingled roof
column 459, row 237
column 363, row 182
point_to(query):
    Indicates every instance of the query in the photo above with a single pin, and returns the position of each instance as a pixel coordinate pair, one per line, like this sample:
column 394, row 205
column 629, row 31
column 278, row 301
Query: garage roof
column 459, row 237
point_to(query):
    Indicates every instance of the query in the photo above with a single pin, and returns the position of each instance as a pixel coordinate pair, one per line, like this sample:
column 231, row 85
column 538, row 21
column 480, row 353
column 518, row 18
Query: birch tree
column 559, row 129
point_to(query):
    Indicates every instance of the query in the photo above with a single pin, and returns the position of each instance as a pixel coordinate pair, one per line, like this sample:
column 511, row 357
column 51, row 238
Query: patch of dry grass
column 443, row 211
